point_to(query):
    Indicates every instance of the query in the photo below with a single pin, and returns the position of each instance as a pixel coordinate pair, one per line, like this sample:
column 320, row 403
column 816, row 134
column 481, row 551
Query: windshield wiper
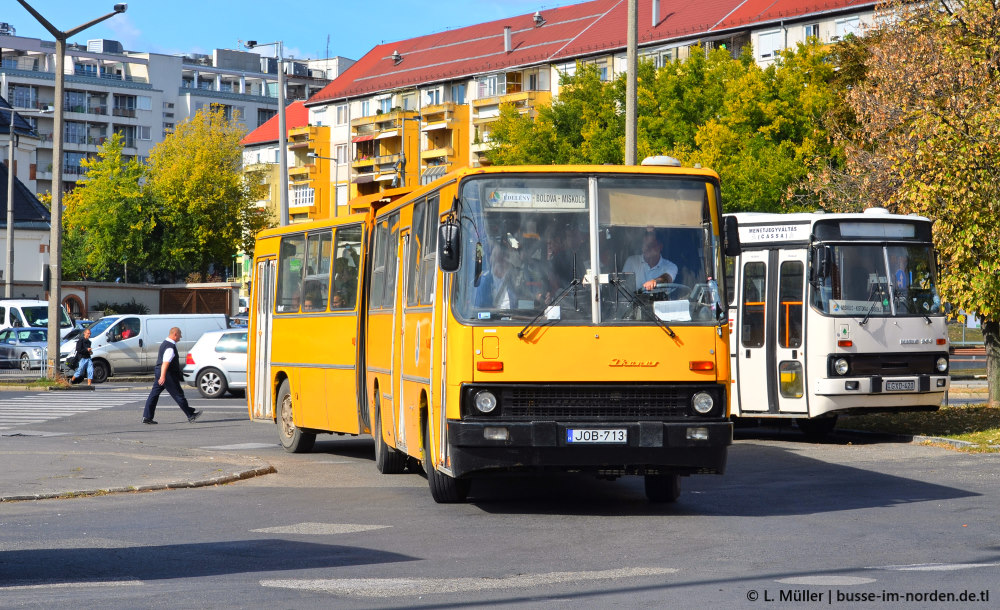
column 617, row 283
column 876, row 291
column 545, row 308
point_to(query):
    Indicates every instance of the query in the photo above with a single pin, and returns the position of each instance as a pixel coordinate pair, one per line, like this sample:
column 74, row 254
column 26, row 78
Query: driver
column 650, row 268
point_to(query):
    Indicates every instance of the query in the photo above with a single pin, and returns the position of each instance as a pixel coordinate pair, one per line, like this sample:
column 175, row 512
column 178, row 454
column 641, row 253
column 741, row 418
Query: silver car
column 218, row 362
column 24, row 348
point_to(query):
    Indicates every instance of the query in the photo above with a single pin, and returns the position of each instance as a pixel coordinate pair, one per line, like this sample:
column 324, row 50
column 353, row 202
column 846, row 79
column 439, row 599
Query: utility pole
column 631, row 90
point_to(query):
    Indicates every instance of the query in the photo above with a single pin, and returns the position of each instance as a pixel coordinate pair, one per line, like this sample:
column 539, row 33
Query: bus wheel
column 662, row 488
column 444, row 489
column 292, row 439
column 387, row 459
column 817, row 427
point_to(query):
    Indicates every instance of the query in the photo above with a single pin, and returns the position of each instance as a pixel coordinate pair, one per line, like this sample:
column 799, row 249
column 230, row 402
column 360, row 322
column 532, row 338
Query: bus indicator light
column 490, row 367
column 701, row 365
column 845, row 343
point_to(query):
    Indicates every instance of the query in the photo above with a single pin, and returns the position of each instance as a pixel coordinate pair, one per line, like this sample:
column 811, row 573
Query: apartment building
column 409, row 111
column 139, row 95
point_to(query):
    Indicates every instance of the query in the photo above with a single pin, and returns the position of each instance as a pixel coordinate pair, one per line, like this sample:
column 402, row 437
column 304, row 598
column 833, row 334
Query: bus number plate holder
column 900, row 386
column 580, row 436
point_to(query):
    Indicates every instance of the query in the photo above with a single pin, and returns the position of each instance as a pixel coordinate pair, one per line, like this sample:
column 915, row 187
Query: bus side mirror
column 822, row 261
column 731, row 235
column 449, row 245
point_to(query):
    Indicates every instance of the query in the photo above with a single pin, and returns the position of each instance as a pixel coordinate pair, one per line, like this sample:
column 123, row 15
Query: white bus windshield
column 879, row 280
column 529, row 243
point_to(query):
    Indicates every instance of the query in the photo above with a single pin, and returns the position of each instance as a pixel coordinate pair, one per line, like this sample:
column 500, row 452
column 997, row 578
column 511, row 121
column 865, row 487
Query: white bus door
column 770, row 356
column 263, row 287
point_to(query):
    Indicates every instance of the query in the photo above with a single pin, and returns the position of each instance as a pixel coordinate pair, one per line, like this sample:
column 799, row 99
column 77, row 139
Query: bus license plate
column 578, row 436
column 900, row 386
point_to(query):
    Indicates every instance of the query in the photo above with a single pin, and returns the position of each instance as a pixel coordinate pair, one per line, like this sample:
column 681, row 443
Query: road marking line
column 73, row 585
column 936, row 567
column 242, row 446
column 320, row 529
column 405, row 587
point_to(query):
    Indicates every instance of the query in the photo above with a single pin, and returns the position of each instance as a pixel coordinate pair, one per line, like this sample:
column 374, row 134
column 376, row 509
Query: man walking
column 84, row 363
column 169, row 369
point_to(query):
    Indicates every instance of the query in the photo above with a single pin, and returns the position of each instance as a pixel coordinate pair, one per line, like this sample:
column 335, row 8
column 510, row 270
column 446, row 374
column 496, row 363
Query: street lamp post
column 336, row 177
column 55, row 235
column 9, row 266
column 282, row 132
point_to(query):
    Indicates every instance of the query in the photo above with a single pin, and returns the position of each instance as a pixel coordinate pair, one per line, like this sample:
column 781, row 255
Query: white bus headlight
column 840, row 366
column 485, row 401
column 941, row 364
column 702, row 402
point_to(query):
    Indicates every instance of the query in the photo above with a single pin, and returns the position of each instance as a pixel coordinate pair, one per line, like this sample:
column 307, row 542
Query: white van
column 30, row 312
column 130, row 343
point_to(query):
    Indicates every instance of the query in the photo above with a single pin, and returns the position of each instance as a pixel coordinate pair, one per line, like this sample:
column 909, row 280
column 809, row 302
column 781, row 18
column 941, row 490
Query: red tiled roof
column 296, row 115
column 569, row 32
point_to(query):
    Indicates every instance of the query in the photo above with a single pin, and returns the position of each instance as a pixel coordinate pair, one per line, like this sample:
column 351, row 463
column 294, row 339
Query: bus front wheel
column 387, row 459
column 444, row 489
column 662, row 488
column 292, row 439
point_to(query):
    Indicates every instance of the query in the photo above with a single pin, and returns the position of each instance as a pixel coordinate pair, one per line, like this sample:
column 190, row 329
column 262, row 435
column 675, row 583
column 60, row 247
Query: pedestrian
column 84, row 363
column 169, row 369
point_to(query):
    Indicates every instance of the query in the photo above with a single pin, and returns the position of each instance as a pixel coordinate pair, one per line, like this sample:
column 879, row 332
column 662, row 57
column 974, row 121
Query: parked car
column 24, row 348
column 78, row 328
column 218, row 362
column 22, row 313
column 131, row 343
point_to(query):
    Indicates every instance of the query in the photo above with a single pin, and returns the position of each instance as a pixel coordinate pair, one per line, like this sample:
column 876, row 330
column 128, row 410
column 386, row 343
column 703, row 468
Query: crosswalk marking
column 45, row 406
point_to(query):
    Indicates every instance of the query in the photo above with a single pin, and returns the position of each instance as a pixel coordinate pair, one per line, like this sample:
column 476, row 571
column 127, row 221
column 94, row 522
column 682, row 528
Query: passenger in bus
column 650, row 268
column 497, row 287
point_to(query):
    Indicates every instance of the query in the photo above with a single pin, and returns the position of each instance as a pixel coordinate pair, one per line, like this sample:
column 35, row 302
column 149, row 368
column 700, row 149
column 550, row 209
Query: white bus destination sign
column 775, row 232
column 531, row 198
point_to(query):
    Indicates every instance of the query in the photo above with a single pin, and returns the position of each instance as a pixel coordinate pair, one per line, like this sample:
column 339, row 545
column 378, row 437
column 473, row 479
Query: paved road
column 790, row 519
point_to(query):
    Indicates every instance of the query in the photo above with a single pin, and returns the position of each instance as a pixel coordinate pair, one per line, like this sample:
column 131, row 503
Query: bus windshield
column 529, row 243
column 879, row 280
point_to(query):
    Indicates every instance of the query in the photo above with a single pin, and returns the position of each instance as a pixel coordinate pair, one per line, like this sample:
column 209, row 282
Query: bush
column 120, row 308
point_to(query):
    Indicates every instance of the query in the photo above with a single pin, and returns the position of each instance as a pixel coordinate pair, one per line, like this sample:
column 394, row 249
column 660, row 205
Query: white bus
column 835, row 313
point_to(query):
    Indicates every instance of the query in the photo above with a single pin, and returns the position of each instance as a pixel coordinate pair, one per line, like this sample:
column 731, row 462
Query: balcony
column 124, row 112
column 301, row 172
column 436, row 153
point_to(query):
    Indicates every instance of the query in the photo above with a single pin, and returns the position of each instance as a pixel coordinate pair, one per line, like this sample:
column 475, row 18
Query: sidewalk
column 39, row 465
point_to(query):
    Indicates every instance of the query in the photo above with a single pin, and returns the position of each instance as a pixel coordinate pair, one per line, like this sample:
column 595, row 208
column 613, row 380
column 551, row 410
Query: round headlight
column 485, row 401
column 941, row 364
column 702, row 402
column 840, row 365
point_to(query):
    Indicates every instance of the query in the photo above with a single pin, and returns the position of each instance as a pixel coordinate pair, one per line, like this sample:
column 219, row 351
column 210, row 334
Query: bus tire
column 817, row 427
column 444, row 489
column 662, row 488
column 387, row 459
column 292, row 439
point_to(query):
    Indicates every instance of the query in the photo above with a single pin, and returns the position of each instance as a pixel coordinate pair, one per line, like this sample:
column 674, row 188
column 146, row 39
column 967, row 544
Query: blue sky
column 198, row 26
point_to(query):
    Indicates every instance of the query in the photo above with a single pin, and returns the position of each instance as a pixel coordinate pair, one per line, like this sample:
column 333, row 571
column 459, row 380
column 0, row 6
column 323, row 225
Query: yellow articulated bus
column 506, row 319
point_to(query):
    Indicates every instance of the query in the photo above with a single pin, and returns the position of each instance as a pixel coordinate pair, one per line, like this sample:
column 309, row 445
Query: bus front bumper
column 682, row 447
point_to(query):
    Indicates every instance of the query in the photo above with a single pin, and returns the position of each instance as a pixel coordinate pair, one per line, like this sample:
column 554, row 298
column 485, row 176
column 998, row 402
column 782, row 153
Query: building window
column 458, row 93
column 812, row 30
column 769, row 44
column 488, row 87
column 264, row 115
column 145, row 132
column 144, row 102
column 342, row 114
column 385, row 104
column 432, row 97
column 843, row 27
column 302, row 195
column 366, row 108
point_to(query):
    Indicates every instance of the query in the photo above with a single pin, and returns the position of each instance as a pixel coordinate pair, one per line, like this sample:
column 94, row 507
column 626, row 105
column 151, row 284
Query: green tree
column 108, row 217
column 205, row 204
column 928, row 124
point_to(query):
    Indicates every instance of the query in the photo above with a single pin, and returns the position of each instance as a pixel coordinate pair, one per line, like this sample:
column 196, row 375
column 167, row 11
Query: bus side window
column 752, row 318
column 391, row 263
column 317, row 279
column 290, row 267
column 415, row 258
column 345, row 268
column 428, row 253
column 378, row 264
column 791, row 280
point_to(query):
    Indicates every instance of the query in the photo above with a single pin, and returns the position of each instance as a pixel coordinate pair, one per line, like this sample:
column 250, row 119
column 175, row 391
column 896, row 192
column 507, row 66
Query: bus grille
column 584, row 402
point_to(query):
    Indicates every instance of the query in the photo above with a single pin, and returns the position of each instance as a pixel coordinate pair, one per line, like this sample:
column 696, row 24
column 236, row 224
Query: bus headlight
column 840, row 366
column 485, row 401
column 702, row 402
column 941, row 364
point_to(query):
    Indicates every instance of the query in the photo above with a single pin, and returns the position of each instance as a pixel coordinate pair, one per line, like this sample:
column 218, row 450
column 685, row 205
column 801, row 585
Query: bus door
column 342, row 403
column 399, row 342
column 263, row 294
column 770, row 354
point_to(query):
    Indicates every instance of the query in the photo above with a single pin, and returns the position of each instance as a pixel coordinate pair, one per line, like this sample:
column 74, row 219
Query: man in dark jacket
column 83, row 361
column 168, row 369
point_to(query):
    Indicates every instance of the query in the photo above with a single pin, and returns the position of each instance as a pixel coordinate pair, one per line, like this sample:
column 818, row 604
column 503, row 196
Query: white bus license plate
column 578, row 436
column 900, row 386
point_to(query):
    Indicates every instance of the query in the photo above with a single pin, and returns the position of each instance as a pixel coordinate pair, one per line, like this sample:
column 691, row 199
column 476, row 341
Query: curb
column 908, row 438
column 221, row 480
